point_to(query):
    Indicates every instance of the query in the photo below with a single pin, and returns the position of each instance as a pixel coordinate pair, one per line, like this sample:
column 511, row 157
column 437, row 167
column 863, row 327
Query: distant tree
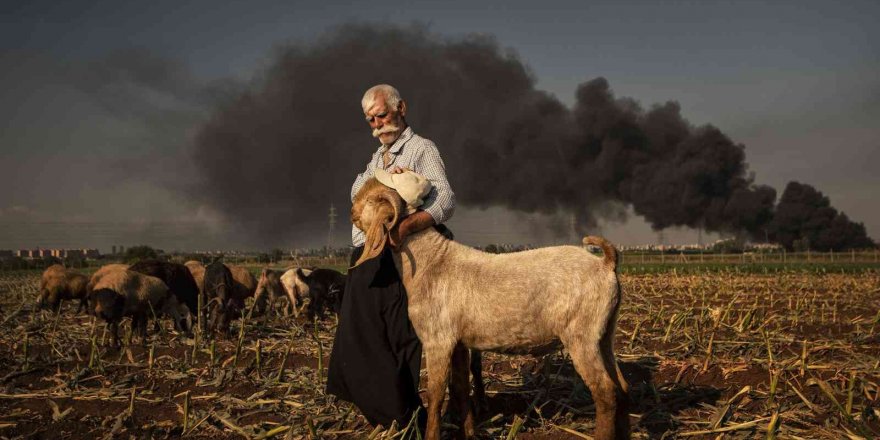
column 264, row 258
column 13, row 263
column 277, row 255
column 75, row 262
column 183, row 257
column 492, row 249
column 801, row 244
column 45, row 262
column 137, row 253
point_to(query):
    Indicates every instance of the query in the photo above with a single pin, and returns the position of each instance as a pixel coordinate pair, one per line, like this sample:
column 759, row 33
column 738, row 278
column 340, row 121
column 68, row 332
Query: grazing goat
column 123, row 292
column 244, row 285
column 197, row 270
column 295, row 287
column 269, row 289
column 219, row 287
column 57, row 284
column 101, row 272
column 525, row 302
column 179, row 280
column 325, row 288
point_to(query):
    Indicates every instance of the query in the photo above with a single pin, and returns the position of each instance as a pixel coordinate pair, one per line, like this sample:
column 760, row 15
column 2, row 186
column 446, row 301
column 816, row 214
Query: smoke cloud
column 275, row 156
column 805, row 219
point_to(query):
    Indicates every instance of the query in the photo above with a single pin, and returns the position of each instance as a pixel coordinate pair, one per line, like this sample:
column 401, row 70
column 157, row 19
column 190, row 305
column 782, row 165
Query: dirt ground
column 714, row 355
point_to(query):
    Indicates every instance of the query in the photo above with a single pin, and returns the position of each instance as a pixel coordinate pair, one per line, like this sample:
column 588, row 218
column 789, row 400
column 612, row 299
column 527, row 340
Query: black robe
column 376, row 354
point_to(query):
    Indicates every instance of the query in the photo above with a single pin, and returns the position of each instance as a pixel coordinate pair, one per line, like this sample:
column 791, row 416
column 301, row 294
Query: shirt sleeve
column 440, row 202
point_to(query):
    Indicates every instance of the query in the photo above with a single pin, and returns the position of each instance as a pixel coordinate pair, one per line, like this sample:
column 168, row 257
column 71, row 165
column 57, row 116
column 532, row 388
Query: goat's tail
column 607, row 249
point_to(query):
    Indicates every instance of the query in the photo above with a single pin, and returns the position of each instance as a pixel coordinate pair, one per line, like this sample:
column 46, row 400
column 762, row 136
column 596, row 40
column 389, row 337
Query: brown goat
column 59, row 283
column 525, row 302
column 121, row 292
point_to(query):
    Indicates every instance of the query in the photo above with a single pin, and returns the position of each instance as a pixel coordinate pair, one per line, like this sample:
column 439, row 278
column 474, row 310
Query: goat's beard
column 385, row 129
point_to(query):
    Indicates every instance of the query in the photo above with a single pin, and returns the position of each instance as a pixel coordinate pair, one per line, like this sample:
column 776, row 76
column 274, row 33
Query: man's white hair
column 392, row 97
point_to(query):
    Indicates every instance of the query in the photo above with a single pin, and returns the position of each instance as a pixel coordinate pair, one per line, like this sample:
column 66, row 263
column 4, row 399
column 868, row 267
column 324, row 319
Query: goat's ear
column 374, row 244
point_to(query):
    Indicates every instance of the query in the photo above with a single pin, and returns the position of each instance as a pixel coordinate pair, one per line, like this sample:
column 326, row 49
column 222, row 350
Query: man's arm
column 439, row 204
column 414, row 222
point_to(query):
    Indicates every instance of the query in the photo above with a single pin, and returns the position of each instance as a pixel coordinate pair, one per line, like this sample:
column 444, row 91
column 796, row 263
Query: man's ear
column 401, row 107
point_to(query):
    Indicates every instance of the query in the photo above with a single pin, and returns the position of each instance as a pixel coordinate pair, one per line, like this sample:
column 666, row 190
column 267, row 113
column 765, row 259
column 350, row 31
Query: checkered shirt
column 420, row 155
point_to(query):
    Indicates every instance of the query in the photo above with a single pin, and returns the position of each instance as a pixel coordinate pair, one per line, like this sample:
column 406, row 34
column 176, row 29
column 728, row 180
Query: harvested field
column 717, row 354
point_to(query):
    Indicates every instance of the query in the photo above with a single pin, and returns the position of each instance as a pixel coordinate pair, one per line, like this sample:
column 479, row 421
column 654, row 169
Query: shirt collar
column 398, row 144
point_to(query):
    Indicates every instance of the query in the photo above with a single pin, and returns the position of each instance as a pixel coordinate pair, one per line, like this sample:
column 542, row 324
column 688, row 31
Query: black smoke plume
column 274, row 157
column 805, row 219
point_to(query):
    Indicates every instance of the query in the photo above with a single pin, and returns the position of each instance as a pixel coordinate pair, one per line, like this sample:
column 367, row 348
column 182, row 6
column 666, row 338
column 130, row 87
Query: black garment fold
column 376, row 354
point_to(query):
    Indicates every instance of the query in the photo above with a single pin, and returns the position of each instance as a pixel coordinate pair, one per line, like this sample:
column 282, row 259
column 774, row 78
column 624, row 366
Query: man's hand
column 412, row 223
column 397, row 170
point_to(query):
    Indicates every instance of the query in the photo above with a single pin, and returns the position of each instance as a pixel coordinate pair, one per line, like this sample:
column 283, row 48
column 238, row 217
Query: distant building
column 28, row 253
column 57, row 253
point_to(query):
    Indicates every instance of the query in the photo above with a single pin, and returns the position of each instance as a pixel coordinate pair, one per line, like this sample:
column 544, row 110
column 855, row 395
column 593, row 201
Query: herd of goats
column 460, row 301
column 154, row 288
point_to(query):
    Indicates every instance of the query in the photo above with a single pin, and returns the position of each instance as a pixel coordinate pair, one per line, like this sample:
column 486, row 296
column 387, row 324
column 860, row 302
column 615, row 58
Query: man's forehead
column 377, row 107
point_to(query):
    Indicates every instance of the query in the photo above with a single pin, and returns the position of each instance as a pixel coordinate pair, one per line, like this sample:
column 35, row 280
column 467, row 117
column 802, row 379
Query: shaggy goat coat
column 524, row 302
column 58, row 283
column 176, row 276
column 295, row 288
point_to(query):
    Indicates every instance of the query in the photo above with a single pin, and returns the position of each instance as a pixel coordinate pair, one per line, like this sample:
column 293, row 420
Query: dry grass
column 718, row 355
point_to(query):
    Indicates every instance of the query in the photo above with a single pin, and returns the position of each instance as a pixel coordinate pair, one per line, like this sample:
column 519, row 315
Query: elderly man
column 376, row 354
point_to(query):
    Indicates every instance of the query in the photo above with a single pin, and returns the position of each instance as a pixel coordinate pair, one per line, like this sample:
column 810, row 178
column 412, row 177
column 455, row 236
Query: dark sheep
column 269, row 290
column 219, row 294
column 178, row 279
column 58, row 283
column 124, row 292
column 326, row 287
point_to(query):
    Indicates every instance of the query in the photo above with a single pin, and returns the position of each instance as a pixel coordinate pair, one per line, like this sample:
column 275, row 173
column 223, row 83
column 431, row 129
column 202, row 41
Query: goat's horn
column 394, row 201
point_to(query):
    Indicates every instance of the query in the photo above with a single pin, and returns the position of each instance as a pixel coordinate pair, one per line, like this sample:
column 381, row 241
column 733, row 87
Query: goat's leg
column 459, row 391
column 437, row 358
column 290, row 309
column 270, row 308
column 612, row 420
column 480, row 404
column 114, row 331
column 607, row 347
column 142, row 328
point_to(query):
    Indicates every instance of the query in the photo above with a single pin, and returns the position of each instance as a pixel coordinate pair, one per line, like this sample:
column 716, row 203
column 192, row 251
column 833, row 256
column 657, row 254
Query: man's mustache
column 385, row 129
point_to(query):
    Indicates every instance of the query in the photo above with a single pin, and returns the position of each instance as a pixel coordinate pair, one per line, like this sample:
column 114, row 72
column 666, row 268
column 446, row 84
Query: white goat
column 295, row 288
column 525, row 302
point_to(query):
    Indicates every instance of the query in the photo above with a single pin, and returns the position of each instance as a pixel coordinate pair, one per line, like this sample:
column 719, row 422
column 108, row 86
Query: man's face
column 387, row 123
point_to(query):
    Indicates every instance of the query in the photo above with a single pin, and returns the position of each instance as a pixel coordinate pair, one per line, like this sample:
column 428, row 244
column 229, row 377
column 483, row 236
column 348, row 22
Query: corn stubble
column 718, row 354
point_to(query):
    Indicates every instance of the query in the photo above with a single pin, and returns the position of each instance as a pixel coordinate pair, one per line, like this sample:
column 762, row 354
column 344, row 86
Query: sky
column 85, row 142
